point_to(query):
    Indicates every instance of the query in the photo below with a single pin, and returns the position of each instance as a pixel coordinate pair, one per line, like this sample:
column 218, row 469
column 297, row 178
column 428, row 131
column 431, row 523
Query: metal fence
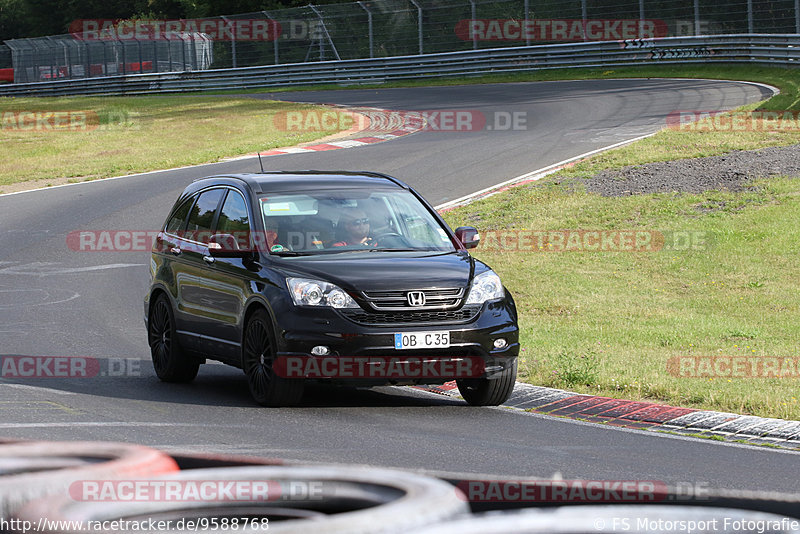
column 778, row 50
column 6, row 70
column 388, row 28
column 69, row 56
column 5, row 57
column 385, row 28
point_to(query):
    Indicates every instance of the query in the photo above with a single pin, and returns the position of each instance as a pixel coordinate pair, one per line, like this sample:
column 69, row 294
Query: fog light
column 500, row 343
column 320, row 350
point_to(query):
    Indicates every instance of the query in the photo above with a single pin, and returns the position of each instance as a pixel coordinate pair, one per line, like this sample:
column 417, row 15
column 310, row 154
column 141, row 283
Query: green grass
column 139, row 134
column 712, row 437
column 768, row 445
column 608, row 322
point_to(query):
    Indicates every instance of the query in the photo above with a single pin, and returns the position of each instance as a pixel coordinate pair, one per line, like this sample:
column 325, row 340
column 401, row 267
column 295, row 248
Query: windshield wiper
column 292, row 253
column 397, row 250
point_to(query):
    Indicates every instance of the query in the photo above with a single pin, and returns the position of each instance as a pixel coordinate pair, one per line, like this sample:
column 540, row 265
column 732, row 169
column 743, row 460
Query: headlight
column 307, row 292
column 485, row 286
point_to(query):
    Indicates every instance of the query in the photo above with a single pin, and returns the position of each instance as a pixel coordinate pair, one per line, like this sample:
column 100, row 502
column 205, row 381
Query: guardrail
column 780, row 50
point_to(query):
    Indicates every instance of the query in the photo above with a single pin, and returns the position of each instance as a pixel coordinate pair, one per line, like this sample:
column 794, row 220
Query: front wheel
column 485, row 392
column 258, row 357
column 169, row 361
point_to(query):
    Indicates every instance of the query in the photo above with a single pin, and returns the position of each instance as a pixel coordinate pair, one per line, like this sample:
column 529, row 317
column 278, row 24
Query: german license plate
column 422, row 340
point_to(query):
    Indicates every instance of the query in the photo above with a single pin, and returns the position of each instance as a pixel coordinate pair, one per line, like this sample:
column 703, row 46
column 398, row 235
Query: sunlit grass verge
column 607, row 323
column 137, row 134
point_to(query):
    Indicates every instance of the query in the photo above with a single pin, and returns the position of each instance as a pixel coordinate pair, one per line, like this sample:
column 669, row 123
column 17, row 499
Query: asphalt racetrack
column 58, row 302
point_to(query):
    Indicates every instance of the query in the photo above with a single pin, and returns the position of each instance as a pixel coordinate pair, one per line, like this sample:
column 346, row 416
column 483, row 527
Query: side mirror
column 226, row 246
column 468, row 236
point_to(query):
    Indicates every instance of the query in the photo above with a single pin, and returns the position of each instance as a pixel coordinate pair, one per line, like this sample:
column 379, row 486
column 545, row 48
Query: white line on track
column 544, row 171
column 537, row 174
column 46, row 269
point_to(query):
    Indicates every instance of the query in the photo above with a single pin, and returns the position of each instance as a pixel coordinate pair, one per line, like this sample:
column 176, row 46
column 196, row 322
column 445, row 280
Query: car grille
column 465, row 314
column 435, row 299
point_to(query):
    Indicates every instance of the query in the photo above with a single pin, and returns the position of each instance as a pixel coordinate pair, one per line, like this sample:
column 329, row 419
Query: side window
column 202, row 215
column 233, row 219
column 178, row 220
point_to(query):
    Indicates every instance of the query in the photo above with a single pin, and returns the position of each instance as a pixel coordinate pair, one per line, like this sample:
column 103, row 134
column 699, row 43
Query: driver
column 353, row 229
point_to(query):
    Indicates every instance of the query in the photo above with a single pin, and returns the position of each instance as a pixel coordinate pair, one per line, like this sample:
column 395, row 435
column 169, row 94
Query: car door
column 228, row 277
column 167, row 262
column 194, row 282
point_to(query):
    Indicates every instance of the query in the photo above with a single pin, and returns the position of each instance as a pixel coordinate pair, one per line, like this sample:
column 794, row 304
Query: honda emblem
column 416, row 298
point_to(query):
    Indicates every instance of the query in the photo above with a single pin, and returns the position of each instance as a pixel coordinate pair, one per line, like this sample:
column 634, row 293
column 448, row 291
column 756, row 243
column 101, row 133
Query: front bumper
column 301, row 329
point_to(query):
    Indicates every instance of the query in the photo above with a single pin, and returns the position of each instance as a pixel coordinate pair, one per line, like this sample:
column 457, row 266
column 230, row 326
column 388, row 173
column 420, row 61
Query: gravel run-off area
column 728, row 172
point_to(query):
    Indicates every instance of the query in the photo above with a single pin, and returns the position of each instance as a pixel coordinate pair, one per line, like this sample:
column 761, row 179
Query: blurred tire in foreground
column 35, row 469
column 294, row 499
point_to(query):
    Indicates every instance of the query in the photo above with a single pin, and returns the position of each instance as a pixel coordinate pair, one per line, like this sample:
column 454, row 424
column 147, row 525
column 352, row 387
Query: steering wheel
column 391, row 240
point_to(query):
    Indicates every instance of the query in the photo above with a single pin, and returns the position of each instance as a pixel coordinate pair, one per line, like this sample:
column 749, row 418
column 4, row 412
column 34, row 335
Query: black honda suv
column 349, row 277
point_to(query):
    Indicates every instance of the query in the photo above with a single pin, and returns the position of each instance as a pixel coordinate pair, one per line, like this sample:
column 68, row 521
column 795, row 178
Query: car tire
column 169, row 361
column 258, row 357
column 486, row 392
column 320, row 499
column 32, row 470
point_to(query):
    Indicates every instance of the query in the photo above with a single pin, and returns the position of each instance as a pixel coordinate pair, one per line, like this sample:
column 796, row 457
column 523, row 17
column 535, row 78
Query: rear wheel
column 169, row 361
column 258, row 357
column 485, row 392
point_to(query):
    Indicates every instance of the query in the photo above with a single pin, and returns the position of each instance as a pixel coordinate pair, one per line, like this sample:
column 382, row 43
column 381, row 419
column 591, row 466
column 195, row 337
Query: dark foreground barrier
column 290, row 499
column 35, row 469
column 119, row 488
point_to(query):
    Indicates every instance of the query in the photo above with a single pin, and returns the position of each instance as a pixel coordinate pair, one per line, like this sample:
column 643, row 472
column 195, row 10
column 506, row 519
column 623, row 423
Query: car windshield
column 346, row 220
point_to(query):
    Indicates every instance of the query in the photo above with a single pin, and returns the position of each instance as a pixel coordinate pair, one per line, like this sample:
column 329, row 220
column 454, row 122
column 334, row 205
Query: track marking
column 532, row 176
column 46, row 293
column 45, row 269
column 53, row 404
column 36, row 389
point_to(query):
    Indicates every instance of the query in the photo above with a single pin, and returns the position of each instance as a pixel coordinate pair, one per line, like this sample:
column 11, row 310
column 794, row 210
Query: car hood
column 370, row 271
